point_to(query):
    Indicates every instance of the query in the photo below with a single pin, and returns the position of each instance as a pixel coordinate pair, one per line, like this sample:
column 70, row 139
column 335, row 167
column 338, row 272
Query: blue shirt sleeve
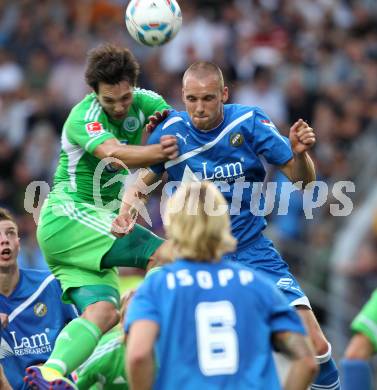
column 268, row 142
column 283, row 317
column 143, row 305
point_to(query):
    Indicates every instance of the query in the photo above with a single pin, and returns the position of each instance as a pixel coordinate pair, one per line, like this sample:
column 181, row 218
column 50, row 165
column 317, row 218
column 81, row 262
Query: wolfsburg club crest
column 131, row 124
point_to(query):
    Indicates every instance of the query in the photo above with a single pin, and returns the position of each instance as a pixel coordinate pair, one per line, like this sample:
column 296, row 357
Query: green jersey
column 105, row 367
column 366, row 321
column 82, row 177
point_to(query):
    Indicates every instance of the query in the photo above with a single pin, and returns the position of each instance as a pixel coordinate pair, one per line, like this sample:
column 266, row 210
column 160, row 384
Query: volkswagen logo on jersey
column 131, row 124
column 236, row 139
column 40, row 309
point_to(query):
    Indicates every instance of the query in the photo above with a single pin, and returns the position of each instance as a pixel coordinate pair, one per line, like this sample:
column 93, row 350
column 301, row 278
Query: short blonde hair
column 197, row 222
column 202, row 69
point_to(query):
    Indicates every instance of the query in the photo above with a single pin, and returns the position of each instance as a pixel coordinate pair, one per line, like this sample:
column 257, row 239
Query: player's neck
column 9, row 277
column 213, row 127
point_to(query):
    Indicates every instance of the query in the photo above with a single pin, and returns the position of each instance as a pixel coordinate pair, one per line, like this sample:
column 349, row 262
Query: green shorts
column 366, row 321
column 74, row 237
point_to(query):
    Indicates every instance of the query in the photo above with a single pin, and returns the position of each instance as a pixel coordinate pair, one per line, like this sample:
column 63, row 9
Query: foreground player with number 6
column 212, row 324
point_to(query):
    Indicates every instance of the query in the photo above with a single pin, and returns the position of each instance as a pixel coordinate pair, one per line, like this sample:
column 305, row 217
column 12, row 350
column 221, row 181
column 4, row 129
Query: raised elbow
column 135, row 358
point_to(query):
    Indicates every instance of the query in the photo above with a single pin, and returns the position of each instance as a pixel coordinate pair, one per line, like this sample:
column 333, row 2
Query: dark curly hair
column 111, row 65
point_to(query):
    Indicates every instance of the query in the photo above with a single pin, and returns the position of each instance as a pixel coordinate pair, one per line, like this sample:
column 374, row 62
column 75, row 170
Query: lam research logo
column 35, row 344
column 236, row 139
column 131, row 124
column 40, row 309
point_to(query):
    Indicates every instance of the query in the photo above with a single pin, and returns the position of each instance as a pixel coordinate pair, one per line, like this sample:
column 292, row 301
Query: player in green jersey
column 356, row 368
column 76, row 233
column 105, row 368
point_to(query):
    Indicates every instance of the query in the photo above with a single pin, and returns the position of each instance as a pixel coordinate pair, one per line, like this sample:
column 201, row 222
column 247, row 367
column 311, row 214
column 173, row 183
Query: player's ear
column 225, row 96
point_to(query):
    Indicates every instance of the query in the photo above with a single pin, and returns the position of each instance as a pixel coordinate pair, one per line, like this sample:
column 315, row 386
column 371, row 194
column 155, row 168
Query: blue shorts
column 262, row 256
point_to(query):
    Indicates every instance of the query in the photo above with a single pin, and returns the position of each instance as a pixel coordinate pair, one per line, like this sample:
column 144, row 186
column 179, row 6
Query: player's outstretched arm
column 301, row 166
column 304, row 367
column 140, row 358
column 134, row 200
column 135, row 156
column 360, row 347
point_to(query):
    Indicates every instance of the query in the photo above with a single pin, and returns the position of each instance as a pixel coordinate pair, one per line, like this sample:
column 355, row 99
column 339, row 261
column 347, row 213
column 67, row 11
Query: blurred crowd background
column 310, row 59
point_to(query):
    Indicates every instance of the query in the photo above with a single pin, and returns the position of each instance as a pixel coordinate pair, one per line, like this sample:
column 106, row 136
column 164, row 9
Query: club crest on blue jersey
column 40, row 309
column 236, row 139
column 233, row 153
column 33, row 325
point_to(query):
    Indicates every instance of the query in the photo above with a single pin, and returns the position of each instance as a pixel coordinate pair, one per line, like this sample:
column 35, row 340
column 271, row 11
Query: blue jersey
column 36, row 316
column 216, row 322
column 231, row 155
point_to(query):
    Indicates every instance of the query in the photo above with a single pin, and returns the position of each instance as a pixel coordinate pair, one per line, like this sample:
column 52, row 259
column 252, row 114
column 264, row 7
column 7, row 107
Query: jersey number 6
column 217, row 341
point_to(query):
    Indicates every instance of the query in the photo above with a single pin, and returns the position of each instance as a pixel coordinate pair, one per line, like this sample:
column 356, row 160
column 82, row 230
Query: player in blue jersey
column 31, row 303
column 212, row 323
column 226, row 144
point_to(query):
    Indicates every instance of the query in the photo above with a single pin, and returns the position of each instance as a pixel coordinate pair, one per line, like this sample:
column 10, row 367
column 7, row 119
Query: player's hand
column 4, row 320
column 123, row 224
column 169, row 146
column 155, row 120
column 302, row 137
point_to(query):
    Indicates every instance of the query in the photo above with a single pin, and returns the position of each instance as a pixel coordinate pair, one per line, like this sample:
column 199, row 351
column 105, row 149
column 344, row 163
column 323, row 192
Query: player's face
column 9, row 243
column 204, row 99
column 115, row 99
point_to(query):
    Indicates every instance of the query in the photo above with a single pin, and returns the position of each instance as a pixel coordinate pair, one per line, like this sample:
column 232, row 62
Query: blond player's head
column 197, row 222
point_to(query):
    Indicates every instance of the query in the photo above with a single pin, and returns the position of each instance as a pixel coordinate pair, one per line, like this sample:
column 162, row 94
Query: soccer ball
column 153, row 22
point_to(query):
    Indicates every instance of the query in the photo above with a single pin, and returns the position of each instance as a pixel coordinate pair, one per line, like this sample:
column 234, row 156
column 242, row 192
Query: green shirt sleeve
column 87, row 125
column 88, row 135
column 149, row 102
